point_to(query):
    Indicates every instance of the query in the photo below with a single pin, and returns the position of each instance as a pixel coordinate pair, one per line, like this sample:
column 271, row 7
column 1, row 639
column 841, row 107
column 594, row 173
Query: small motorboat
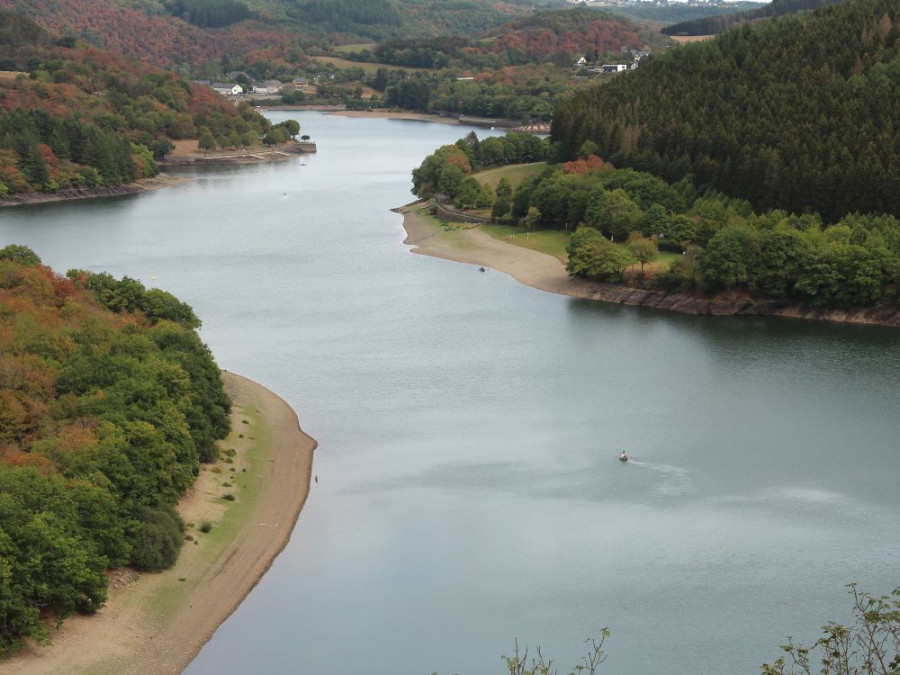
column 623, row 457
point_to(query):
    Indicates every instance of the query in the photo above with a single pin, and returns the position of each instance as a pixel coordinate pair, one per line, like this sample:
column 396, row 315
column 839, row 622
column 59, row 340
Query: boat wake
column 673, row 479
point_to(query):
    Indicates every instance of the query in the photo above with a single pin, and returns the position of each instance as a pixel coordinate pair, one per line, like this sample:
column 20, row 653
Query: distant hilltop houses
column 637, row 55
column 626, row 3
column 260, row 88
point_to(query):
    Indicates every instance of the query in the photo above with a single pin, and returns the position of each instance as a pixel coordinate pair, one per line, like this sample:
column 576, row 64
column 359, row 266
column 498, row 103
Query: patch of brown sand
column 395, row 115
column 474, row 247
column 156, row 623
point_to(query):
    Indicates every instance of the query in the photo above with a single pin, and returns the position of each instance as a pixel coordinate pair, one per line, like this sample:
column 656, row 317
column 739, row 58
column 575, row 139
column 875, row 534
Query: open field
column 343, row 49
column 551, row 242
column 516, row 174
column 685, row 39
column 8, row 77
column 368, row 68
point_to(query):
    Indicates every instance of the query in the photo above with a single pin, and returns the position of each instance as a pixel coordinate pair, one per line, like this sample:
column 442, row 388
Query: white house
column 267, row 87
column 227, row 88
column 581, row 61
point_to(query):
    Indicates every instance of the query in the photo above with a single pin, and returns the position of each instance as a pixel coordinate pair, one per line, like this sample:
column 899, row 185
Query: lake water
column 469, row 492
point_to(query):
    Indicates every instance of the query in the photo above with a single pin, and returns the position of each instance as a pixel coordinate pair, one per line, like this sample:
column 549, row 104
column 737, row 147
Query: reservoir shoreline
column 158, row 622
column 545, row 272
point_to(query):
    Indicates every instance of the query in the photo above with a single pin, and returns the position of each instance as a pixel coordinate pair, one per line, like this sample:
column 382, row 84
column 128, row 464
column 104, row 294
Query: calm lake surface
column 469, row 491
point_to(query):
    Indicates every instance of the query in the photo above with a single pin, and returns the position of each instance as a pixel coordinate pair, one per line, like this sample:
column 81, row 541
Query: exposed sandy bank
column 157, row 623
column 547, row 273
column 396, row 115
column 187, row 153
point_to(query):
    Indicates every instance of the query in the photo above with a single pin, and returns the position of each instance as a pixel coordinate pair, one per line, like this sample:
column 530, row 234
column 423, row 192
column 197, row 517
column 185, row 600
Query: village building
column 227, row 88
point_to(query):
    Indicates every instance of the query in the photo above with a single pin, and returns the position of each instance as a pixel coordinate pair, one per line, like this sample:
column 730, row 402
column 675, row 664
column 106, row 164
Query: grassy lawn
column 551, row 242
column 253, row 436
column 343, row 49
column 663, row 261
column 516, row 174
column 368, row 68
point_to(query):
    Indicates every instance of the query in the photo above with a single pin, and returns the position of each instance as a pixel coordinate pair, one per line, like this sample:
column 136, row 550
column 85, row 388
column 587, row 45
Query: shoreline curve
column 158, row 622
column 546, row 273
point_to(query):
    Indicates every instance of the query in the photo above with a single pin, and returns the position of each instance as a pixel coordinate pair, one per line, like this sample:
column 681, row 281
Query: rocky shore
column 143, row 185
column 739, row 304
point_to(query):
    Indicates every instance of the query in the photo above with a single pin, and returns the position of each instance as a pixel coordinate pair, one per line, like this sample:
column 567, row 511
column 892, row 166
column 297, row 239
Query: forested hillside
column 520, row 70
column 109, row 401
column 576, row 32
column 74, row 116
column 559, row 37
column 713, row 25
column 799, row 113
column 187, row 34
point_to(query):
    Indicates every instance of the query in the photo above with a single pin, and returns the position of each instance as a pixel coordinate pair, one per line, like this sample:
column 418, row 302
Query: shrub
column 158, row 539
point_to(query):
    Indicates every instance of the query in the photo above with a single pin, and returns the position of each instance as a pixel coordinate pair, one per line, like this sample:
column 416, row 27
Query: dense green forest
column 109, row 401
column 798, row 113
column 74, row 116
column 208, row 13
column 713, row 25
column 621, row 218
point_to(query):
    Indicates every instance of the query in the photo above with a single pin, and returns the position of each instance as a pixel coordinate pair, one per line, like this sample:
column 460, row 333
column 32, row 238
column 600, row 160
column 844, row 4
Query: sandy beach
column 474, row 247
column 396, row 115
column 156, row 623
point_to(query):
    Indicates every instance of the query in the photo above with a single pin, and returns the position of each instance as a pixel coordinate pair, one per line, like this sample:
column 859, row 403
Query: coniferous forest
column 109, row 401
column 799, row 113
column 712, row 25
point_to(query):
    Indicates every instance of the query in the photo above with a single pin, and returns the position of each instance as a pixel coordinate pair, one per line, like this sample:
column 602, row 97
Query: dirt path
column 156, row 623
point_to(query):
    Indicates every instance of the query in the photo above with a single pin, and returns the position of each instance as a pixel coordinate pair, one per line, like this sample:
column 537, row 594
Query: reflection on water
column 469, row 488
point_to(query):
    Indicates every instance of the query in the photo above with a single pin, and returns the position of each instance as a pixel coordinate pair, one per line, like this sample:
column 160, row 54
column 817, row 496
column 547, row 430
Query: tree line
column 724, row 243
column 209, row 13
column 797, row 113
column 448, row 171
column 621, row 217
column 109, row 402
column 43, row 153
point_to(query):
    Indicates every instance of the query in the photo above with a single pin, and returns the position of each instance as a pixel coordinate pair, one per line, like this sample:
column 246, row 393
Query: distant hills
column 797, row 113
column 713, row 25
column 189, row 33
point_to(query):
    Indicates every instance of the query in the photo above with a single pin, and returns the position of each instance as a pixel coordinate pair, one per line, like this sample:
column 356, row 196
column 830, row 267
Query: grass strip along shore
column 240, row 514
